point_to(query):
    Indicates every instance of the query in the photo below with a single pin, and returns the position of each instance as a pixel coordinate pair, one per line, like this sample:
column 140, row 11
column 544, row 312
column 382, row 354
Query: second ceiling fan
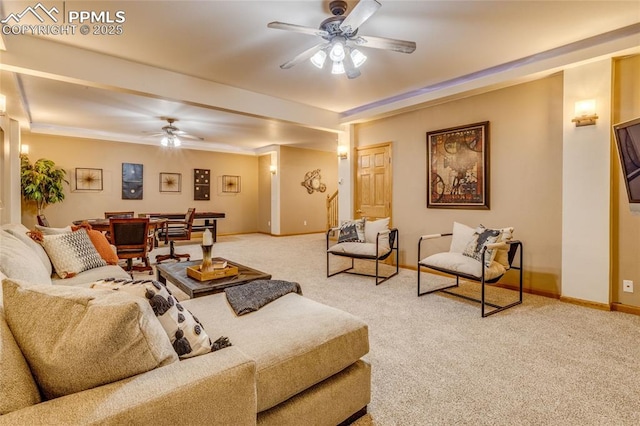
column 340, row 39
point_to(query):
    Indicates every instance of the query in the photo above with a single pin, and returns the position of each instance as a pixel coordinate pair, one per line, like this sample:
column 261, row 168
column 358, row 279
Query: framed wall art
column 132, row 181
column 230, row 184
column 201, row 184
column 170, row 182
column 88, row 179
column 458, row 167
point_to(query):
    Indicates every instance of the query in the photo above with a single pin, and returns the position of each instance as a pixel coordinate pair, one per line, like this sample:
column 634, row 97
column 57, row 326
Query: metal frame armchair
column 372, row 249
column 130, row 237
column 174, row 230
column 460, row 266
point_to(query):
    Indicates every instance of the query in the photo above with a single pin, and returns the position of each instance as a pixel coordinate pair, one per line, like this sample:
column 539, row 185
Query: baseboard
column 586, row 303
column 627, row 309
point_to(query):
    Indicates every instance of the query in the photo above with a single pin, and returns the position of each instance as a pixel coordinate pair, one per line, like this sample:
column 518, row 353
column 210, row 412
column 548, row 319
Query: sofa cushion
column 20, row 231
column 72, row 253
column 78, row 338
column 459, row 263
column 18, row 261
column 185, row 332
column 84, row 279
column 296, row 342
column 17, row 387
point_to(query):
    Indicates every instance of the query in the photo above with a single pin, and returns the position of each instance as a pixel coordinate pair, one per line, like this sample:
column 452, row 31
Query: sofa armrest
column 215, row 389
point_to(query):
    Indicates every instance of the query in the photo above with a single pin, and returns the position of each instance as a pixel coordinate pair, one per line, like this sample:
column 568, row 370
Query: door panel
column 373, row 182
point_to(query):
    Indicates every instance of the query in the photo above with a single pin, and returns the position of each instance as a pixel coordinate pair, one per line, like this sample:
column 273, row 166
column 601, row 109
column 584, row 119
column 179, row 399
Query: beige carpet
column 436, row 361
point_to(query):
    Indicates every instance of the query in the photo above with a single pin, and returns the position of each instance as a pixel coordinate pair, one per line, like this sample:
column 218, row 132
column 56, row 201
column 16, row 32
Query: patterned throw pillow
column 101, row 244
column 184, row 330
column 481, row 237
column 72, row 253
column 352, row 231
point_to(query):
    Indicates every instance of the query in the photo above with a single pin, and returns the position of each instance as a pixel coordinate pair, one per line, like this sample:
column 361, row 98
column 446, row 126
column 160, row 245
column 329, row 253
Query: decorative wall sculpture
column 88, row 179
column 230, row 183
column 170, row 182
column 312, row 182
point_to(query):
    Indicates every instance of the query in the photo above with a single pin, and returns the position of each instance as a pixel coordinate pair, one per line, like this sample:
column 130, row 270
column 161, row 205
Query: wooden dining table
column 102, row 225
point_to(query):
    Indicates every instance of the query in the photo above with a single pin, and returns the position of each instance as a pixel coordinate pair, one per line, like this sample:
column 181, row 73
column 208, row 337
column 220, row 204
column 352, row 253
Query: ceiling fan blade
column 349, row 68
column 402, row 46
column 301, row 57
column 187, row 136
column 297, row 28
column 363, row 11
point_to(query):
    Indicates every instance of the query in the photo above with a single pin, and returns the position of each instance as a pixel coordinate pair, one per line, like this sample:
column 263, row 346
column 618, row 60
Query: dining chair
column 174, row 230
column 42, row 220
column 109, row 215
column 130, row 236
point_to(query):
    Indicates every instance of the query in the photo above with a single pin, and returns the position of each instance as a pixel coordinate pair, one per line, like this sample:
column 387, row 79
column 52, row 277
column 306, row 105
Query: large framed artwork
column 88, row 179
column 458, row 167
column 131, row 181
column 201, row 184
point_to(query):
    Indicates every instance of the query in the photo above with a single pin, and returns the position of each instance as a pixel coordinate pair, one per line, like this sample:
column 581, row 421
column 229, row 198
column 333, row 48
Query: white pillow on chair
column 371, row 230
column 462, row 234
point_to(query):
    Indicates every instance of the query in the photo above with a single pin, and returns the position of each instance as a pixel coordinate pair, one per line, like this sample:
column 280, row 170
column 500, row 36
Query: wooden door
column 373, row 182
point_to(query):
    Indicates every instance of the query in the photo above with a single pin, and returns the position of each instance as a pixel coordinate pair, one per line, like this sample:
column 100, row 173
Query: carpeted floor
column 436, row 361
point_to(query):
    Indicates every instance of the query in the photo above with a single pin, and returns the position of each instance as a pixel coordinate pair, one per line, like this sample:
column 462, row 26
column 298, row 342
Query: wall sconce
column 24, row 149
column 273, row 169
column 585, row 113
column 343, row 152
column 3, row 104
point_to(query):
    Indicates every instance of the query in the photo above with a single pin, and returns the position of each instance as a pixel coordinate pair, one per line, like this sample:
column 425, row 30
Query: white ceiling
column 214, row 65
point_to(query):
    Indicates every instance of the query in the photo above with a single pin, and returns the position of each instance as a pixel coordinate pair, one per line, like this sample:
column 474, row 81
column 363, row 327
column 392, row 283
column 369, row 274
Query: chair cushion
column 79, row 338
column 85, row 278
column 18, row 389
column 371, row 230
column 458, row 263
column 185, row 332
column 320, row 341
column 358, row 250
column 72, row 253
column 352, row 231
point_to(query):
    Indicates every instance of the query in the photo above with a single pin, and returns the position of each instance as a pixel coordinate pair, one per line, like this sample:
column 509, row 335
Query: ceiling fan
column 340, row 40
column 170, row 134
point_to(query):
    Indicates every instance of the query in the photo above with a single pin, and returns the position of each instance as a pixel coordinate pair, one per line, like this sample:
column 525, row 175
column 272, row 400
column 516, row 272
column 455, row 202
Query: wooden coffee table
column 176, row 274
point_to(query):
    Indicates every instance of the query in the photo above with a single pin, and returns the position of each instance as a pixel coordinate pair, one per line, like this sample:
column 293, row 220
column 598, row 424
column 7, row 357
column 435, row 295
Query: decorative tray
column 214, row 274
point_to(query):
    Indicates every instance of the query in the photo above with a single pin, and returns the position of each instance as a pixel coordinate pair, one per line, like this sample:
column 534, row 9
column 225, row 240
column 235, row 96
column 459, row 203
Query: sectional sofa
column 294, row 361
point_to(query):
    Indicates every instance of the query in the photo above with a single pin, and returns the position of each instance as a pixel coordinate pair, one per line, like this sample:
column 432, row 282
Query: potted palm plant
column 41, row 182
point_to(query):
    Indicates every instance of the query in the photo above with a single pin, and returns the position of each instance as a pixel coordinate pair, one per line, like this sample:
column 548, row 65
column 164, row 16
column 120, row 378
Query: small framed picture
column 88, row 179
column 230, row 183
column 170, row 182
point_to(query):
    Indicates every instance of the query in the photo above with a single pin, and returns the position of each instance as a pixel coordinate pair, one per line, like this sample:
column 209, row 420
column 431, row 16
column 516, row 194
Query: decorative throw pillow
column 77, row 338
column 371, row 230
column 481, row 237
column 72, row 253
column 502, row 255
column 184, row 330
column 46, row 230
column 100, row 242
column 462, row 234
column 352, row 231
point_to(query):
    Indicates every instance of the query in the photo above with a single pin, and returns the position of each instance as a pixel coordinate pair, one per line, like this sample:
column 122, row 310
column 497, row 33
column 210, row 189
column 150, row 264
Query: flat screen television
column 627, row 137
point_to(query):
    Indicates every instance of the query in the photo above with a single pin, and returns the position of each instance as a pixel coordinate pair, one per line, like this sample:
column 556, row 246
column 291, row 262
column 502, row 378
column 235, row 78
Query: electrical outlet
column 269, row 223
column 304, row 223
column 627, row 286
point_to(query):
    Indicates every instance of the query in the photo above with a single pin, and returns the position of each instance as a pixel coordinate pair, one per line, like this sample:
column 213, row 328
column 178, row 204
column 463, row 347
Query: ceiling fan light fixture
column 164, row 141
column 319, row 58
column 337, row 52
column 176, row 141
column 358, row 58
column 338, row 68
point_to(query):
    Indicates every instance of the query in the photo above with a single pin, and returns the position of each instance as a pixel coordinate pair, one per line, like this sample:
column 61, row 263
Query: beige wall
column 297, row 206
column 525, row 173
column 626, row 227
column 264, row 194
column 68, row 153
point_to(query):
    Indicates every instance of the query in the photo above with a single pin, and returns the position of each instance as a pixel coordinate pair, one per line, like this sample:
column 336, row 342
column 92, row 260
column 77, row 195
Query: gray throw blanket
column 252, row 296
